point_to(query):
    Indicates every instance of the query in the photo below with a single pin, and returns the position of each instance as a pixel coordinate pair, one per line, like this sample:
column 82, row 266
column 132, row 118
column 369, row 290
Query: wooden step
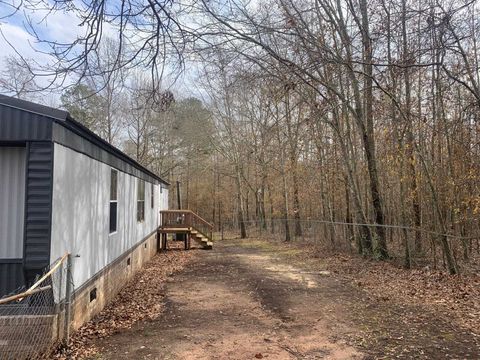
column 202, row 240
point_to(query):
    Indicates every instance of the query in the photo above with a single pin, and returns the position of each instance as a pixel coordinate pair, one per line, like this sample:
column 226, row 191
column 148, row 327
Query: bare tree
column 16, row 78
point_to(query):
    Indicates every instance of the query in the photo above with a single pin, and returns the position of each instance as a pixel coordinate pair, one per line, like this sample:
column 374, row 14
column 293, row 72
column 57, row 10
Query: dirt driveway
column 246, row 301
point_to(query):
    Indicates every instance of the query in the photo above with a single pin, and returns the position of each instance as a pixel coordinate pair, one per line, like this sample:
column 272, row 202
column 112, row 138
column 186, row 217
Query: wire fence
column 418, row 244
column 34, row 319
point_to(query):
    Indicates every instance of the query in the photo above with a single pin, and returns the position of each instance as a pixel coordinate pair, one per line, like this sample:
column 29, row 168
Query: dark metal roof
column 64, row 119
column 53, row 113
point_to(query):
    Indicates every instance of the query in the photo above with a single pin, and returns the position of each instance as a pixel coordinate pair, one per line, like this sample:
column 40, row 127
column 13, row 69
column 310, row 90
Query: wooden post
column 164, row 241
column 179, row 202
column 68, row 300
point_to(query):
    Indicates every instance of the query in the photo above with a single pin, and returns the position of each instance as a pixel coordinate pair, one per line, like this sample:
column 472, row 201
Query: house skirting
column 92, row 296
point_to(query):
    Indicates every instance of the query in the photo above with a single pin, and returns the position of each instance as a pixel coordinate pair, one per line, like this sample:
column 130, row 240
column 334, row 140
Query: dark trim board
column 96, row 140
column 38, row 208
column 25, row 198
column 68, row 138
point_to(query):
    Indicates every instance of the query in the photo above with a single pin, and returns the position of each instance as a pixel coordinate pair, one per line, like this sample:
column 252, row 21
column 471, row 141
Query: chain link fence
column 34, row 319
column 328, row 233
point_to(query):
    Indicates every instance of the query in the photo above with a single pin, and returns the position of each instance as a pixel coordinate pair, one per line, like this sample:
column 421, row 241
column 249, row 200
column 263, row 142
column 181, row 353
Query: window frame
column 113, row 200
column 152, row 196
column 140, row 200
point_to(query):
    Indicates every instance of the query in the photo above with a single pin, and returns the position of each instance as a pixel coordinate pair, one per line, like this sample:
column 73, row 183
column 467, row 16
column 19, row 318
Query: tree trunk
column 368, row 135
column 296, row 202
column 416, row 210
column 240, row 200
column 285, row 198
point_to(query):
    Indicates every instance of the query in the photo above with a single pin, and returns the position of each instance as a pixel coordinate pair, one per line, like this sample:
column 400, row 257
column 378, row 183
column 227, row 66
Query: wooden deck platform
column 188, row 223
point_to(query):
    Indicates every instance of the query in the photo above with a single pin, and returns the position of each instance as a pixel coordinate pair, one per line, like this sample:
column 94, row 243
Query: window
column 140, row 200
column 113, row 200
column 152, row 197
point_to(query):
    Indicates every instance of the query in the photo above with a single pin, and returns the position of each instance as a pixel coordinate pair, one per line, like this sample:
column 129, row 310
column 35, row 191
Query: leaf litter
column 140, row 299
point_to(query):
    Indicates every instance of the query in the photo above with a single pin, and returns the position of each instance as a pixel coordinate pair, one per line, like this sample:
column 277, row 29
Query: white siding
column 80, row 218
column 12, row 201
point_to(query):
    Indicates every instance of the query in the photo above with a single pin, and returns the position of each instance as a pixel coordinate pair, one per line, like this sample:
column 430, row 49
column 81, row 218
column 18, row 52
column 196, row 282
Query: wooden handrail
column 187, row 218
column 202, row 219
column 187, row 211
column 190, row 212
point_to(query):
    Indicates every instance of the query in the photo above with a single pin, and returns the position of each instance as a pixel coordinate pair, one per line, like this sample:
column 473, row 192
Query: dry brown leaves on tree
column 139, row 300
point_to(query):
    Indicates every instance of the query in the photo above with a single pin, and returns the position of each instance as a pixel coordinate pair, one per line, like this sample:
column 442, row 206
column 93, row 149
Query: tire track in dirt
column 233, row 303
column 244, row 302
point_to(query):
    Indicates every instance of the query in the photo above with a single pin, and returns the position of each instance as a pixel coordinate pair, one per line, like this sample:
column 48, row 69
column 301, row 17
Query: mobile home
column 64, row 189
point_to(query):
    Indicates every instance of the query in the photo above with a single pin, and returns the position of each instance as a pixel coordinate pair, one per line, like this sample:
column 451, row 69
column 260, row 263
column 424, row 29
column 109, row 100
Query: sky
column 15, row 38
column 59, row 25
column 62, row 26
